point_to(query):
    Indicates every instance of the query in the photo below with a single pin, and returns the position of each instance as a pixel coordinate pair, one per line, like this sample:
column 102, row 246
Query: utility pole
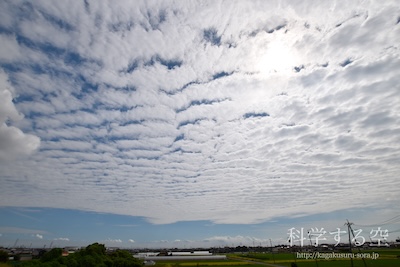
column 273, row 257
column 311, row 245
column 348, row 230
column 354, row 236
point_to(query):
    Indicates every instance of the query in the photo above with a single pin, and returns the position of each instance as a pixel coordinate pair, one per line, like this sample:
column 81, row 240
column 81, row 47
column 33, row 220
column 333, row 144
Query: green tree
column 122, row 258
column 88, row 261
column 51, row 255
column 95, row 249
column 3, row 256
column 69, row 261
column 93, row 255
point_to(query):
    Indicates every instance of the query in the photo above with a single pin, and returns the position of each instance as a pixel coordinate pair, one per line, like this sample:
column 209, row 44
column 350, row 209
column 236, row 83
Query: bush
column 51, row 255
column 3, row 256
column 92, row 256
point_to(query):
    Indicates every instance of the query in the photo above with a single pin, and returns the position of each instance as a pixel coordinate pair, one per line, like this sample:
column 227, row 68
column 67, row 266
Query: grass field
column 216, row 263
column 222, row 263
column 387, row 258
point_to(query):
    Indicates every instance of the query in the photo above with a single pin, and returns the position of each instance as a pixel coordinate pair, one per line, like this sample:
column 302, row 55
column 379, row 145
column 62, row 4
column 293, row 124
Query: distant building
column 178, row 255
column 143, row 255
column 25, row 257
column 64, row 253
column 190, row 253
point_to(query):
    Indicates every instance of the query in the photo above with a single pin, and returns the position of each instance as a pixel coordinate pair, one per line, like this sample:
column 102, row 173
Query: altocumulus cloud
column 234, row 112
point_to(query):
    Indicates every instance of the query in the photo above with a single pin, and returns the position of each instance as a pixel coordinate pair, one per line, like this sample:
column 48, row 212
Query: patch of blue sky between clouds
column 71, row 228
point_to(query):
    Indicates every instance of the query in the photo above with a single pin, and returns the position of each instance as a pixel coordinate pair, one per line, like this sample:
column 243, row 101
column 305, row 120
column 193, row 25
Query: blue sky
column 60, row 228
column 181, row 124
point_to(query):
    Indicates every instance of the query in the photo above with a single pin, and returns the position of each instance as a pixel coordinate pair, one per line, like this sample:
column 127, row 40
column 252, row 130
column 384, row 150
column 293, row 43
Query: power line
column 389, row 221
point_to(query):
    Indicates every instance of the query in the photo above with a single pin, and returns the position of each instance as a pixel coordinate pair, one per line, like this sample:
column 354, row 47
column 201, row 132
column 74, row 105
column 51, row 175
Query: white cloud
column 62, row 239
column 39, row 236
column 113, row 240
column 13, row 142
column 10, row 50
column 188, row 123
column 236, row 240
column 131, row 241
column 18, row 230
column 8, row 110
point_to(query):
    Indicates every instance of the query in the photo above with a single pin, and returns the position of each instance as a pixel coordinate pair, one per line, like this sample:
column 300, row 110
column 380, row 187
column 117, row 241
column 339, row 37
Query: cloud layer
column 229, row 112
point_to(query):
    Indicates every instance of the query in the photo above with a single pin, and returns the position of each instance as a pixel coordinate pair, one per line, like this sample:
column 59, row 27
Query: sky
column 197, row 123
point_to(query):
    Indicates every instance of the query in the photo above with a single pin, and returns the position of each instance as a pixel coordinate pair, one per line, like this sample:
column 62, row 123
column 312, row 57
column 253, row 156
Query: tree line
column 93, row 255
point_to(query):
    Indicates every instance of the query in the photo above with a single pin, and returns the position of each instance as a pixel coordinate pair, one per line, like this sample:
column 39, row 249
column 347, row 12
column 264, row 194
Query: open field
column 387, row 258
column 224, row 263
column 216, row 263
